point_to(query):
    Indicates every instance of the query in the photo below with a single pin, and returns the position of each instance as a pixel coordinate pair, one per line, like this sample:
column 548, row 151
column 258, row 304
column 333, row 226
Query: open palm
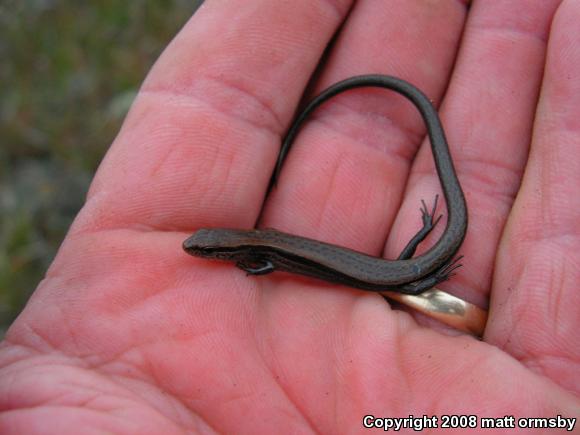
column 128, row 334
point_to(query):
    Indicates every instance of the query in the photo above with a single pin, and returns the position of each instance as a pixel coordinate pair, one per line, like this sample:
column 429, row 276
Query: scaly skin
column 127, row 334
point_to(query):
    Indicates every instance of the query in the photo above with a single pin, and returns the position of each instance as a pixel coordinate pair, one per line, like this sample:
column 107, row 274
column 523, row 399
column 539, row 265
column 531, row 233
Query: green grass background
column 68, row 73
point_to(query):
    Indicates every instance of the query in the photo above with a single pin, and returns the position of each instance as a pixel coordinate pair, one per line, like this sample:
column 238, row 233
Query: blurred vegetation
column 68, row 74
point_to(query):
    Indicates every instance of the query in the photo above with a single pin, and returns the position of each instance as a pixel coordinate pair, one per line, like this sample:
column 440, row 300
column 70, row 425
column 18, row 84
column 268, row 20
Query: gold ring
column 446, row 308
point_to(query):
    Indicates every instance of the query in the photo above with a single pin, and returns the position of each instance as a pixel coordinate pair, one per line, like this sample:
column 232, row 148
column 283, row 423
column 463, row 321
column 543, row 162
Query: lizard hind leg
column 428, row 225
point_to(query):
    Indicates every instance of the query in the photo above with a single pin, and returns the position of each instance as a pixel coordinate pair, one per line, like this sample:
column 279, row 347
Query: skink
column 264, row 251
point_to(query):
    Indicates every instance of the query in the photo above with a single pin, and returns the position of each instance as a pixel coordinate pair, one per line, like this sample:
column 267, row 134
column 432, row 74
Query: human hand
column 128, row 334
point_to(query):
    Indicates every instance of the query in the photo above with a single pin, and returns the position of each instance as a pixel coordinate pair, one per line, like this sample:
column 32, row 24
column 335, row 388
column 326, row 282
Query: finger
column 488, row 115
column 535, row 312
column 344, row 177
column 199, row 143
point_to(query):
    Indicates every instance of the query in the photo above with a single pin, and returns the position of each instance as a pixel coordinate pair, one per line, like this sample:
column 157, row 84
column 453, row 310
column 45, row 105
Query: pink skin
column 128, row 334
